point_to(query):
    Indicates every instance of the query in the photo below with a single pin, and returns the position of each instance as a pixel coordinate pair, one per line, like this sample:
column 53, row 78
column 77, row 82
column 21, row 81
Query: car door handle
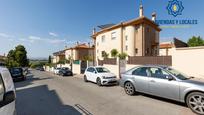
column 152, row 81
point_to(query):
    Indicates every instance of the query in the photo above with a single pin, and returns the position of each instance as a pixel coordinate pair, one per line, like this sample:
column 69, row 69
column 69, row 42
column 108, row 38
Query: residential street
column 46, row 94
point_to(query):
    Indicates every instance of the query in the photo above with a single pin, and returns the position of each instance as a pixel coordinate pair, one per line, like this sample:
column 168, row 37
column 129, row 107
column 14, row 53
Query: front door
column 141, row 78
column 159, row 85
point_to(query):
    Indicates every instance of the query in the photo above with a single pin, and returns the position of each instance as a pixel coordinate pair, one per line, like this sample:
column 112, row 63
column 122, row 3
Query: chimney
column 154, row 16
column 89, row 44
column 141, row 12
column 94, row 31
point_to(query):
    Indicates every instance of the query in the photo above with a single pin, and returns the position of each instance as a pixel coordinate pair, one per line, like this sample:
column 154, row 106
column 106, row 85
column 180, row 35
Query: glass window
column 103, row 38
column 113, row 35
column 178, row 74
column 89, row 69
column 141, row 71
column 126, row 47
column 1, row 88
column 158, row 73
column 126, row 38
column 102, row 70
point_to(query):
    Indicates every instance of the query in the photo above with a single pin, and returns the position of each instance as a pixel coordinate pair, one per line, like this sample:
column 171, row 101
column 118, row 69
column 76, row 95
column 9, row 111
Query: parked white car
column 56, row 70
column 99, row 75
column 7, row 93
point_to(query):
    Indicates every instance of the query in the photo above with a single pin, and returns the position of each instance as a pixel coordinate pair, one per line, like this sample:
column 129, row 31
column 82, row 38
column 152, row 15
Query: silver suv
column 165, row 82
column 7, row 93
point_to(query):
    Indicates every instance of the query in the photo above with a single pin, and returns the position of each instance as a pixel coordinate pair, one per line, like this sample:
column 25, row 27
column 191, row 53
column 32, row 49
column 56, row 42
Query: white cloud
column 53, row 34
column 56, row 41
column 34, row 38
column 5, row 35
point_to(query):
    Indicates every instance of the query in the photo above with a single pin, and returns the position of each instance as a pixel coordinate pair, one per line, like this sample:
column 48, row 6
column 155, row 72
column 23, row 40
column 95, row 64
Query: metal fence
column 155, row 60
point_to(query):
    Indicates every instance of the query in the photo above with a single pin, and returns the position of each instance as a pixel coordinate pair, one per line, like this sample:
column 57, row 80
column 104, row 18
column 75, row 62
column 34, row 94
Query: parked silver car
column 165, row 82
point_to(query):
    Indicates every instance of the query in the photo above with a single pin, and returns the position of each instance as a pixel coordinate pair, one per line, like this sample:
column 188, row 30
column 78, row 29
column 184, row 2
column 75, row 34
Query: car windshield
column 15, row 70
column 65, row 68
column 102, row 70
column 178, row 74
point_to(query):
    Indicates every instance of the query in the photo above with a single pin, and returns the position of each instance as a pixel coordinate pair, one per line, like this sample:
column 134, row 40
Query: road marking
column 82, row 109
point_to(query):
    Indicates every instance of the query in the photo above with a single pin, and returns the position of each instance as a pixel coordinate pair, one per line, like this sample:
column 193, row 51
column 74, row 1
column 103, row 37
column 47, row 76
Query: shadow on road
column 162, row 99
column 29, row 79
column 42, row 101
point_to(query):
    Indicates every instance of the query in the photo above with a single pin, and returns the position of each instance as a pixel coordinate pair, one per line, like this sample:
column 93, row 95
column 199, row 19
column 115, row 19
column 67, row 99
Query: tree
column 195, row 41
column 114, row 53
column 17, row 57
column 104, row 54
column 21, row 56
column 122, row 56
column 87, row 58
column 49, row 59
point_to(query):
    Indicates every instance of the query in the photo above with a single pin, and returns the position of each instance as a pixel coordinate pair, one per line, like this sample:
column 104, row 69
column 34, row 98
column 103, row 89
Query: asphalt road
column 47, row 94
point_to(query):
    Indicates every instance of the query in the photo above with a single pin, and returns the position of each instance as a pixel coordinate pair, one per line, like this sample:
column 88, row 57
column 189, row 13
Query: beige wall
column 108, row 44
column 186, row 60
column 76, row 54
column 129, row 32
column 68, row 53
column 189, row 61
column 137, row 38
column 163, row 52
column 130, row 66
column 113, row 68
column 76, row 68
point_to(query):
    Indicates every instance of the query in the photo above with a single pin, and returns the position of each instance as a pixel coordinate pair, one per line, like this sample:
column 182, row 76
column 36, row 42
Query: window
column 148, row 30
column 97, row 44
column 1, row 88
column 126, row 47
column 126, row 38
column 102, row 70
column 113, row 35
column 158, row 73
column 103, row 38
column 90, row 69
column 141, row 71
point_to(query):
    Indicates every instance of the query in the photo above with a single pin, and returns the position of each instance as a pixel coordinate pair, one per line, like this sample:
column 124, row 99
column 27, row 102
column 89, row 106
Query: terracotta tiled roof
column 166, row 45
column 59, row 53
column 80, row 46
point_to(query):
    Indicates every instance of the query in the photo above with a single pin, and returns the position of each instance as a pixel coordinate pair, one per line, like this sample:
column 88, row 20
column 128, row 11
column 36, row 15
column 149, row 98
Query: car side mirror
column 8, row 98
column 95, row 72
column 169, row 77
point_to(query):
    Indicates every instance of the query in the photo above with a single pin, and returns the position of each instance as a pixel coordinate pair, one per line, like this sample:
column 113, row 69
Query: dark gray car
column 165, row 82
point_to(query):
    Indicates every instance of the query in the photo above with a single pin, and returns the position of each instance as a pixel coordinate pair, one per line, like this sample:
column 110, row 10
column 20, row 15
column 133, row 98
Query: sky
column 47, row 26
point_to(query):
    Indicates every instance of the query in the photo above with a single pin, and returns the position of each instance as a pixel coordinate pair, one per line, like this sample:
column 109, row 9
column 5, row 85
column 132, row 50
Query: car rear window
column 16, row 70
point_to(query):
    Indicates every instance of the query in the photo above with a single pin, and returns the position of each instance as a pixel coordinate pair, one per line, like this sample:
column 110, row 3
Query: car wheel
column 98, row 81
column 195, row 102
column 85, row 79
column 129, row 88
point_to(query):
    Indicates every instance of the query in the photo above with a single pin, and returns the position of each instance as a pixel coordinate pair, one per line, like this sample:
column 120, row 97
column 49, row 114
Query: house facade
column 58, row 56
column 137, row 37
column 79, row 52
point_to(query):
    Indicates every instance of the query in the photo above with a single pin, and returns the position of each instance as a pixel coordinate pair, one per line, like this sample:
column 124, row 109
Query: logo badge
column 175, row 8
